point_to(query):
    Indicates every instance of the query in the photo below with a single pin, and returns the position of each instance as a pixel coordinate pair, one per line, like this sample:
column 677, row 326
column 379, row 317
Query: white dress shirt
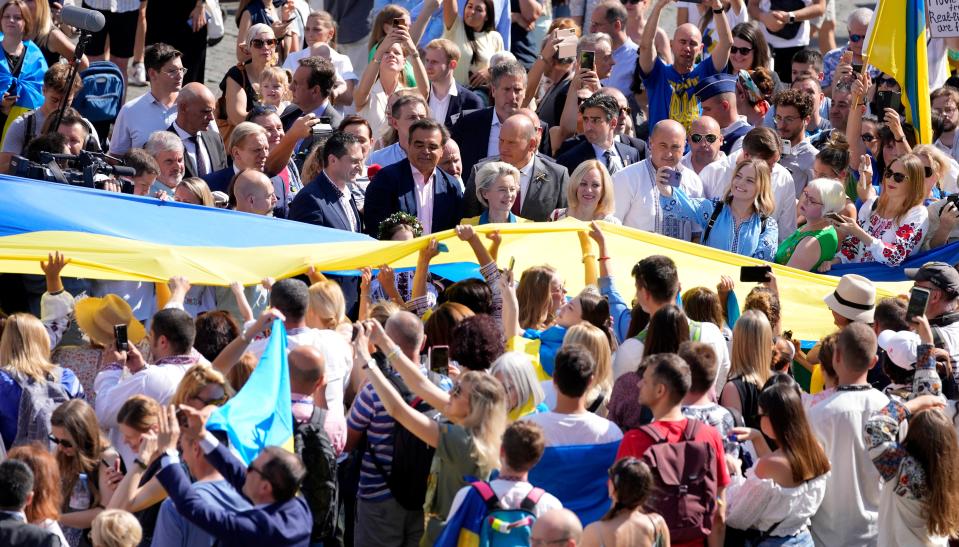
column 492, row 146
column 192, row 145
column 440, row 107
column 687, row 161
column 423, row 187
column 637, row 196
column 525, row 178
column 716, row 178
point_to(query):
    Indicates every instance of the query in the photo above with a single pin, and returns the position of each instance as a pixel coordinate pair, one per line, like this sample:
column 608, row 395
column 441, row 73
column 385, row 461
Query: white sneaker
column 138, row 77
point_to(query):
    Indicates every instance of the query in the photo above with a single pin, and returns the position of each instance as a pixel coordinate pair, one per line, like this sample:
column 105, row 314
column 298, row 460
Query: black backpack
column 412, row 458
column 313, row 446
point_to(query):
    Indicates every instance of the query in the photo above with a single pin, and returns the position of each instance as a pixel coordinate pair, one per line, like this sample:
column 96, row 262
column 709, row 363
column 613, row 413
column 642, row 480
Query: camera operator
column 79, row 132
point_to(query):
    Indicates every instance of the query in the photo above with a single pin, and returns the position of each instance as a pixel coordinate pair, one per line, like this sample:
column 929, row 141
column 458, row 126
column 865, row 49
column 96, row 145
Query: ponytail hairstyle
column 632, row 483
column 594, row 309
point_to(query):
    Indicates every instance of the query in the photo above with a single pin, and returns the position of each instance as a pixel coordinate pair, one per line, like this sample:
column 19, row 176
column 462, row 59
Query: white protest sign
column 943, row 18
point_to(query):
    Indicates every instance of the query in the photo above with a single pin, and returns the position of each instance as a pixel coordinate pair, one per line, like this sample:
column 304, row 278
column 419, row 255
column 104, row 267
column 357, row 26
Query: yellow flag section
column 105, row 257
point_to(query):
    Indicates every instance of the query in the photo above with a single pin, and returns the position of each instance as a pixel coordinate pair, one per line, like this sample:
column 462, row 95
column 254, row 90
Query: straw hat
column 96, row 317
column 854, row 298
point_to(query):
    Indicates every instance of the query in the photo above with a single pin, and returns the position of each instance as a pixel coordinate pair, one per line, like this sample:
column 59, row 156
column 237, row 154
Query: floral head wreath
column 400, row 218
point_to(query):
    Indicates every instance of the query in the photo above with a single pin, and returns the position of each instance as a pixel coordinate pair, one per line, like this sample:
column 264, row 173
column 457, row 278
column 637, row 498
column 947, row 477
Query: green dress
column 828, row 245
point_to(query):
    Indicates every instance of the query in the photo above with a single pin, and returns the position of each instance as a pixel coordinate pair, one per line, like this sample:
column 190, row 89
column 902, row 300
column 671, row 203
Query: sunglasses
column 710, row 138
column 260, row 44
column 62, row 442
column 741, row 50
column 856, row 38
column 898, row 177
column 891, row 82
column 868, row 137
column 631, row 1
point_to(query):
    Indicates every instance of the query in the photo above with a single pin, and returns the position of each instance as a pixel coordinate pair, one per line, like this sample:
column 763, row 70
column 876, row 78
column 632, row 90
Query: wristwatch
column 792, row 18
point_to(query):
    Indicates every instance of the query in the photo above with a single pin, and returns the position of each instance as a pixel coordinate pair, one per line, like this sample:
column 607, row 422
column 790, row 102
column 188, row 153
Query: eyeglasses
column 173, row 73
column 810, row 200
column 787, row 119
column 856, row 38
column 710, row 138
column 252, row 469
column 898, row 177
column 928, row 171
column 62, row 442
column 868, row 137
column 888, row 82
column 260, row 44
column 740, row 50
column 631, row 1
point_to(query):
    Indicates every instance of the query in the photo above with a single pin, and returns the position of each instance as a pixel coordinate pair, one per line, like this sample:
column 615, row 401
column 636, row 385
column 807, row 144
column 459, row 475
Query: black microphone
column 82, row 18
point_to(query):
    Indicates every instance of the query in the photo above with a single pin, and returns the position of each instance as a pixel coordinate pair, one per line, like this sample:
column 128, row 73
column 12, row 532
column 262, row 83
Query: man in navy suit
column 600, row 117
column 270, row 482
column 448, row 99
column 16, row 492
column 327, row 200
column 477, row 133
column 416, row 186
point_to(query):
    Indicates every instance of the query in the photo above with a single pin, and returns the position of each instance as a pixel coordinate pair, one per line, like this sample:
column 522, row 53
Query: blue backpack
column 100, row 98
column 506, row 527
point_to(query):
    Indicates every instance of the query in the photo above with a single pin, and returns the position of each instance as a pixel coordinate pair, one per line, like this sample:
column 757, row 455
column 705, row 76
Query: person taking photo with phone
column 741, row 222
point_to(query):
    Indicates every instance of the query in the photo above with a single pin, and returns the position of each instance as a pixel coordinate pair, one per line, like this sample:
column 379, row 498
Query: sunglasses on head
column 260, row 44
column 856, row 38
column 898, row 177
column 62, row 442
column 740, row 50
column 710, row 138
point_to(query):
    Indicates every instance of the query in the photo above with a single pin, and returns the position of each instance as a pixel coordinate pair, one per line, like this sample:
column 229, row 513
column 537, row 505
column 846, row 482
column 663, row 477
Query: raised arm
column 426, row 254
column 402, row 36
column 724, row 35
column 361, row 95
column 647, row 46
column 422, row 20
column 231, row 354
column 451, row 11
column 280, row 155
column 590, row 264
column 854, row 124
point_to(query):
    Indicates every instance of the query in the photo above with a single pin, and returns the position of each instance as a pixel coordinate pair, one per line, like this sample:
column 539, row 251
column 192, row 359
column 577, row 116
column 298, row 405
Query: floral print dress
column 902, row 513
column 893, row 241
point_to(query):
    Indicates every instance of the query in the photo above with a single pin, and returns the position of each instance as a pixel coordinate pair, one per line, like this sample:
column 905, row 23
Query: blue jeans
column 803, row 539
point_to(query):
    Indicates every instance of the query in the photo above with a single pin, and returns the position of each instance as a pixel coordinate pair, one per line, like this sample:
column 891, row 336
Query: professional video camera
column 80, row 170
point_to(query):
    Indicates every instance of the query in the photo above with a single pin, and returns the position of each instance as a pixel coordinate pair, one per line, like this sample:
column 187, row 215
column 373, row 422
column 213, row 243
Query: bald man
column 671, row 88
column 204, row 148
column 308, row 390
column 637, row 196
column 705, row 142
column 542, row 181
column 558, row 527
column 254, row 193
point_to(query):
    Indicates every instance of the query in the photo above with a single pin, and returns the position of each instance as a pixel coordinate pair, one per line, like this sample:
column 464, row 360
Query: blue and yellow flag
column 897, row 46
column 261, row 414
column 27, row 86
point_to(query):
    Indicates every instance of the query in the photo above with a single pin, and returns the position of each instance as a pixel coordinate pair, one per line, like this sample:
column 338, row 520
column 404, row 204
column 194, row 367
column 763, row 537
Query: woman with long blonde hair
column 25, row 363
column 751, row 360
column 589, row 195
column 540, row 294
column 596, row 342
column 891, row 227
column 476, row 408
column 327, row 308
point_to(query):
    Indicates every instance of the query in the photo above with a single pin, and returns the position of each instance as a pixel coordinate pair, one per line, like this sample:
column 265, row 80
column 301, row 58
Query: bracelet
column 56, row 292
column 393, row 353
column 246, row 339
column 367, row 364
column 602, row 258
column 898, row 140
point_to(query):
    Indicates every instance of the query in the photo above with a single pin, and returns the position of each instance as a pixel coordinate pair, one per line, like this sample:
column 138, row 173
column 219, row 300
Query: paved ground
column 221, row 57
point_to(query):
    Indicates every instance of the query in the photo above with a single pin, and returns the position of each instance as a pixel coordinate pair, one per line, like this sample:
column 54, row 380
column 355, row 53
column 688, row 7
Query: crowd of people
column 498, row 409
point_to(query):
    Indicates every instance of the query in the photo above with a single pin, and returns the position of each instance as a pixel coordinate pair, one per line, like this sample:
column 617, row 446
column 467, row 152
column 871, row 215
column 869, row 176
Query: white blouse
column 487, row 44
column 761, row 503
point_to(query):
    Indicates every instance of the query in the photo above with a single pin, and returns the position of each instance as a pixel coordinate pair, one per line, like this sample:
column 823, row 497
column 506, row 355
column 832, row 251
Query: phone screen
column 587, row 60
column 918, row 298
column 440, row 359
column 754, row 274
column 120, row 333
column 887, row 99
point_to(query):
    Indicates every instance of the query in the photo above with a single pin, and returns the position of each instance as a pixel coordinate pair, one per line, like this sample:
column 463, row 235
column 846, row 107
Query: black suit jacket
column 219, row 181
column 214, row 149
column 292, row 112
column 393, row 189
column 637, row 143
column 471, row 133
column 547, row 190
column 15, row 533
column 464, row 101
column 287, row 523
column 584, row 151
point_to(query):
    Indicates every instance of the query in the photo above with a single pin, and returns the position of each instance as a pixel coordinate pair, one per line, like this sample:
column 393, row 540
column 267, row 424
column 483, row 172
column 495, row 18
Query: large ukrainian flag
column 897, row 46
column 261, row 414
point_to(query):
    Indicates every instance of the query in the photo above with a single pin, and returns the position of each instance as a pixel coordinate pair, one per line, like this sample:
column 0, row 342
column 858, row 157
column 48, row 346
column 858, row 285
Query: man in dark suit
column 327, row 200
column 600, row 115
column 542, row 182
column 312, row 85
column 448, row 99
column 477, row 133
column 416, row 186
column 278, row 517
column 16, row 492
column 203, row 149
column 248, row 150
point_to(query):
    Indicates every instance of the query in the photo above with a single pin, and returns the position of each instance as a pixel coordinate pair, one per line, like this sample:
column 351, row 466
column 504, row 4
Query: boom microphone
column 82, row 18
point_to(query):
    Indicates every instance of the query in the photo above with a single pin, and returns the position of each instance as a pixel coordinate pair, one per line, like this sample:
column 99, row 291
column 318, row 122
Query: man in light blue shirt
column 405, row 110
column 174, row 530
column 610, row 18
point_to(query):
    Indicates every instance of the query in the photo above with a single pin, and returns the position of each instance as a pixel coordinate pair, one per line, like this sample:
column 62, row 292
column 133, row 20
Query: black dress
column 167, row 23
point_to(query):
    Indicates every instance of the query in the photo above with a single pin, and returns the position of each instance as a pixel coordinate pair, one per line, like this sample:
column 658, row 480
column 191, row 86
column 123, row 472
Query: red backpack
column 684, row 482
